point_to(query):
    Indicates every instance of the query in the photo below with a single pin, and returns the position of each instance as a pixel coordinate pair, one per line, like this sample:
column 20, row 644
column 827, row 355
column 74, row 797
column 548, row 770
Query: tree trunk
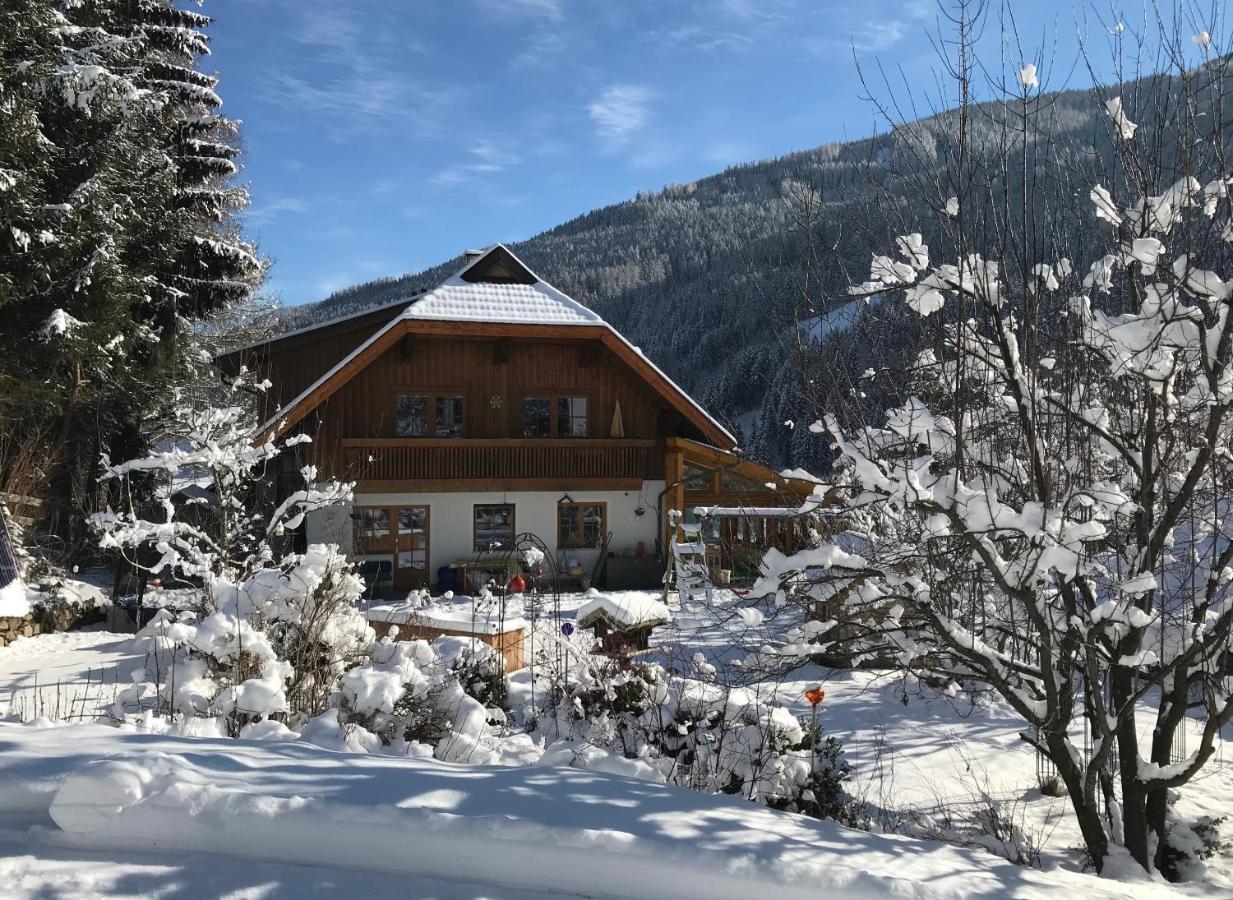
column 1086, row 811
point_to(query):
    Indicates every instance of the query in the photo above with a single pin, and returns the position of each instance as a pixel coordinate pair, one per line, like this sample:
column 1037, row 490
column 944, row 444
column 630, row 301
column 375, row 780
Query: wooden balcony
column 452, row 464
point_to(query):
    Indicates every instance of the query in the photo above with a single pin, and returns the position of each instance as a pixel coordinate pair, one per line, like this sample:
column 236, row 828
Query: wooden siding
column 397, row 459
column 493, row 375
column 294, row 363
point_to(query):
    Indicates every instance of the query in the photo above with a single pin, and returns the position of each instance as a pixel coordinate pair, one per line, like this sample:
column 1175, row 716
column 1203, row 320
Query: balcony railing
column 504, row 459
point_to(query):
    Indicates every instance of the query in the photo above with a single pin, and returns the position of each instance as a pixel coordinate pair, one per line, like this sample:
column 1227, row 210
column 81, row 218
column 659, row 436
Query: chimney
column 471, row 255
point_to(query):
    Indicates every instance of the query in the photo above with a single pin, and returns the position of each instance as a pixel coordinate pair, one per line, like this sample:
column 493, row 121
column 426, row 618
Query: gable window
column 537, row 417
column 429, row 415
column 571, row 417
column 411, row 415
column 581, row 525
column 449, row 416
column 554, row 416
column 494, row 526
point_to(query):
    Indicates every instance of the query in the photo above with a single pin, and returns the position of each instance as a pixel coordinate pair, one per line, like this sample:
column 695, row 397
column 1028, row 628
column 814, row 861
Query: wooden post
column 674, row 497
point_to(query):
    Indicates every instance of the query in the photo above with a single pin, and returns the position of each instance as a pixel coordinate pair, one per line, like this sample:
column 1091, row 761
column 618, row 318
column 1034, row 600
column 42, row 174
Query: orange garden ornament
column 815, row 695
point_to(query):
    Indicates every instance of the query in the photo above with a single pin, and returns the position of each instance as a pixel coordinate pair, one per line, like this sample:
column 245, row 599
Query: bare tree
column 1049, row 513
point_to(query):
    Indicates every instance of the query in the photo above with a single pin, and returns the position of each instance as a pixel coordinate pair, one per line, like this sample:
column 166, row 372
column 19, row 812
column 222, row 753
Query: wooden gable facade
column 342, row 383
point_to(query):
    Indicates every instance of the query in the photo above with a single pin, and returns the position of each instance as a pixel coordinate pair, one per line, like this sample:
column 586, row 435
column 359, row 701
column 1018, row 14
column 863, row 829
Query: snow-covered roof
column 527, row 300
column 458, row 299
column 628, row 609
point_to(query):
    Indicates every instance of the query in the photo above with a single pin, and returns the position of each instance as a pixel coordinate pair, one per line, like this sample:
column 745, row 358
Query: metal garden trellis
column 543, row 584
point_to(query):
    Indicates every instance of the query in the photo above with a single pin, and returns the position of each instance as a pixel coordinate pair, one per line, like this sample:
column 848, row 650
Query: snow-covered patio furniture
column 623, row 622
column 461, row 619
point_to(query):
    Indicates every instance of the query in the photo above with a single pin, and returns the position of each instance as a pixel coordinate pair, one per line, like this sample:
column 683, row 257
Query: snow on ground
column 917, row 757
column 68, row 676
column 542, row 829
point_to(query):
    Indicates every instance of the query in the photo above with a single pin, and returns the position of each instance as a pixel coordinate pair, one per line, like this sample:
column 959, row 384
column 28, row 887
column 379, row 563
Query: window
column 374, row 523
column 494, row 526
column 413, row 538
column 697, row 479
column 571, row 417
column 730, row 482
column 537, row 417
column 556, row 416
column 411, row 415
column 581, row 524
column 449, row 416
column 428, row 415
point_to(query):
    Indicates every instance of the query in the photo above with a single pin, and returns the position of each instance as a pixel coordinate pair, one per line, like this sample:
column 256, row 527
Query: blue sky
column 384, row 136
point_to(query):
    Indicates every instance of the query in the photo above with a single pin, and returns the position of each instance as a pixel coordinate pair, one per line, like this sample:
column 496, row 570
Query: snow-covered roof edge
column 337, row 320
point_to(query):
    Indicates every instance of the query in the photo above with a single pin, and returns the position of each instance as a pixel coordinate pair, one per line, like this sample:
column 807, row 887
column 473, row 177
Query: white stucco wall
column 451, row 517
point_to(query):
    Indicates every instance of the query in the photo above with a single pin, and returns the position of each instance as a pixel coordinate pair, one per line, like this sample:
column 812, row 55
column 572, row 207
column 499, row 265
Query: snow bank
column 628, row 609
column 13, row 599
column 544, row 828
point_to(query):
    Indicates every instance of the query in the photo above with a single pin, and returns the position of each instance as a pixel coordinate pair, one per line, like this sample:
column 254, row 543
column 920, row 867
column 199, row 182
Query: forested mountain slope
column 710, row 278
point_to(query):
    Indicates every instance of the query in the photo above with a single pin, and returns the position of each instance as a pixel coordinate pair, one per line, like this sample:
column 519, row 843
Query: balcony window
column 494, row 526
column 537, row 417
column 555, row 416
column 429, row 415
column 449, row 416
column 580, row 525
column 411, row 415
column 571, row 417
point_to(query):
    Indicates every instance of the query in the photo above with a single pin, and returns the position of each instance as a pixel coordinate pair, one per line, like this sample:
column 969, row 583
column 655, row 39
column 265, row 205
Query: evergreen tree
column 120, row 231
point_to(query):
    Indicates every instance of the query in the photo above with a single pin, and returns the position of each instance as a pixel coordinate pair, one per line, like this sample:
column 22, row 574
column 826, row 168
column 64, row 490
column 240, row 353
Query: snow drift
column 540, row 828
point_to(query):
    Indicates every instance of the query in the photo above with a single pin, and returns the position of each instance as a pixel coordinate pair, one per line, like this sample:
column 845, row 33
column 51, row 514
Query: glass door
column 411, row 547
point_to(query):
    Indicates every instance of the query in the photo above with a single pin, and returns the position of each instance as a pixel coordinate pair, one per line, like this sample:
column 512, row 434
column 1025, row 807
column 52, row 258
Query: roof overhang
column 707, row 457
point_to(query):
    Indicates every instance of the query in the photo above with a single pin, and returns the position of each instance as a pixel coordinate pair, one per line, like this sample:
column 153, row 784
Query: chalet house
column 490, row 406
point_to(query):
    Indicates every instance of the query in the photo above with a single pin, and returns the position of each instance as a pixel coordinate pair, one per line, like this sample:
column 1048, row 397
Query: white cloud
column 551, row 10
column 353, row 70
column 875, row 37
column 621, row 111
column 262, row 213
column 358, row 101
column 874, row 27
column 486, row 157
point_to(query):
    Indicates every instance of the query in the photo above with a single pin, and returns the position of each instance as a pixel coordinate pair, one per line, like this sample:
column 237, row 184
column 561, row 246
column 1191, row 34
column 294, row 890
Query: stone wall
column 45, row 619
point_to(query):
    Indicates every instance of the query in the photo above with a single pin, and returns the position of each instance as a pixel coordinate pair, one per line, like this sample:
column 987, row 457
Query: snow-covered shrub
column 411, row 697
column 273, row 646
column 229, row 529
column 635, row 718
column 478, row 667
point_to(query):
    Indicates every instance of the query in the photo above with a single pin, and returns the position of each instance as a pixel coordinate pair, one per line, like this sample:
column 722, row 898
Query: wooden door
column 411, row 542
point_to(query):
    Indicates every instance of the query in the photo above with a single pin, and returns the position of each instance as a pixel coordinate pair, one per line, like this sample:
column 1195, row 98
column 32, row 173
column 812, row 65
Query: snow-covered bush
column 269, row 631
column 274, row 645
column 634, row 717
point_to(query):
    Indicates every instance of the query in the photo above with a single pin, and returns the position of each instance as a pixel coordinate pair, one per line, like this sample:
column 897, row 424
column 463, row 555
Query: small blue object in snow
column 567, row 628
